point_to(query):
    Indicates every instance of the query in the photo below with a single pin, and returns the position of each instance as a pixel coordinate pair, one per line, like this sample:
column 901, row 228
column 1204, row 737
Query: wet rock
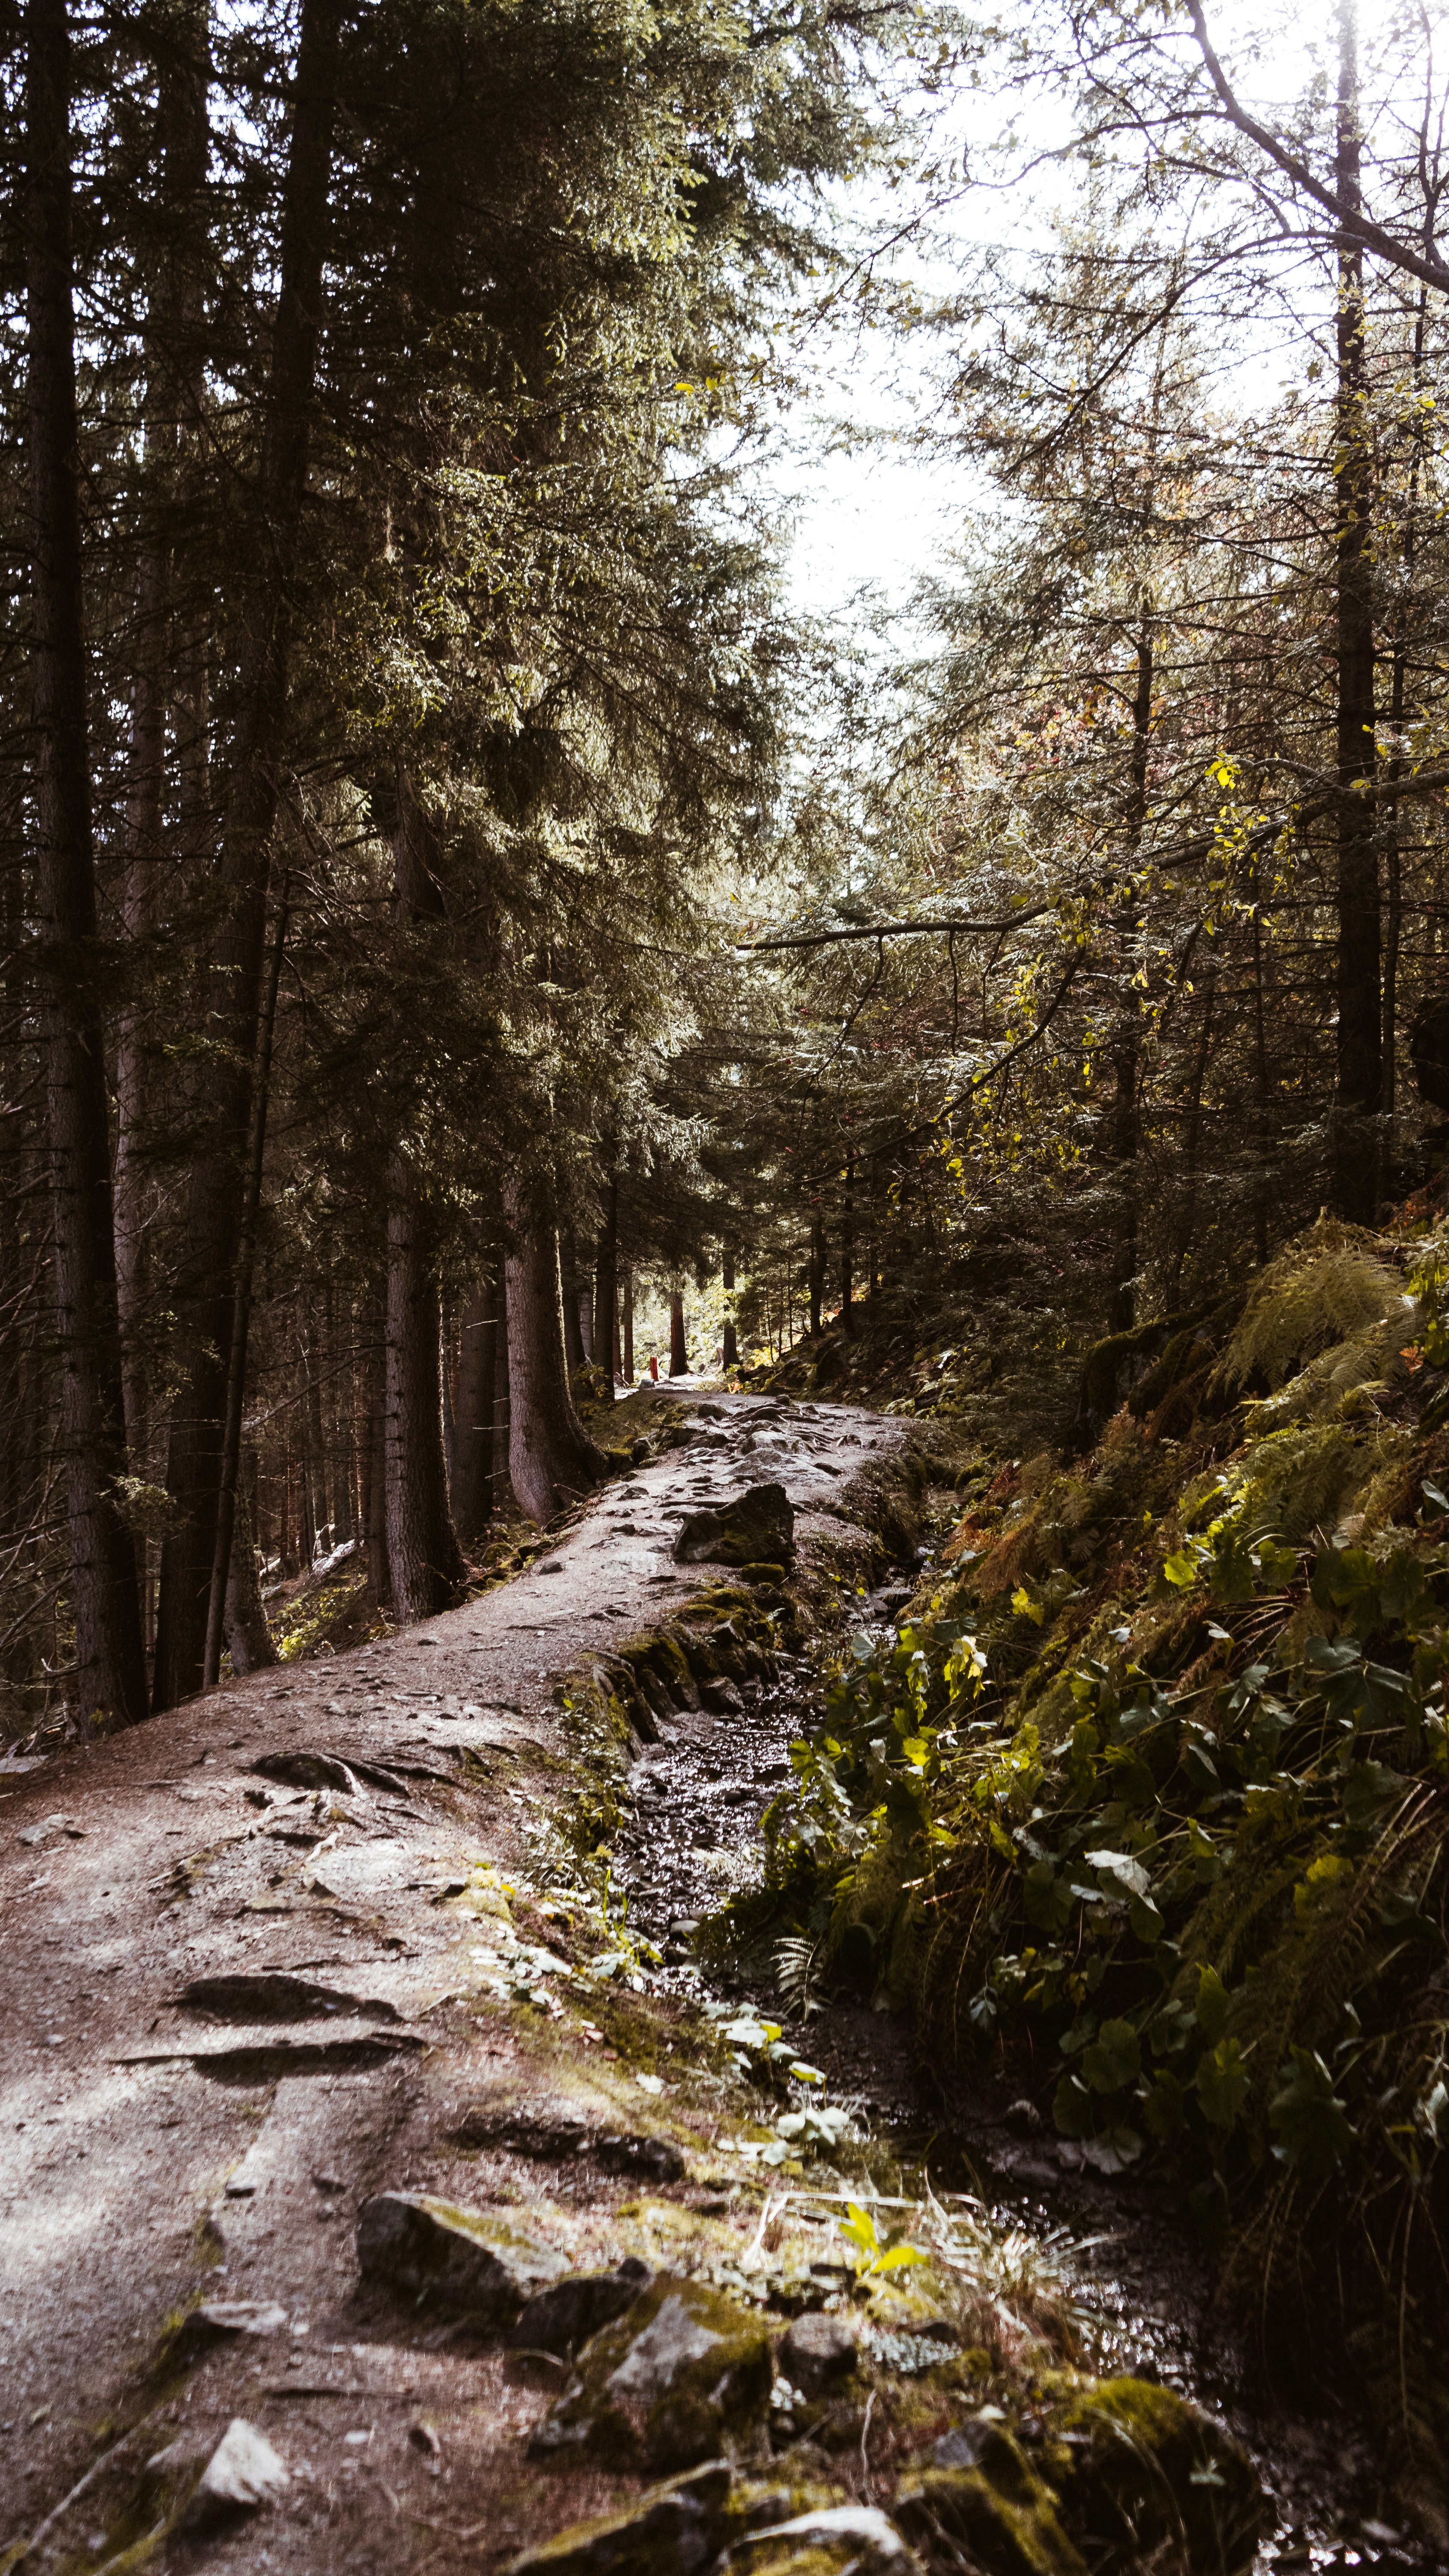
column 1023, row 2119
column 832, row 2540
column 460, row 2258
column 190, row 2491
column 962, row 2447
column 669, row 2531
column 682, row 2376
column 556, row 2131
column 817, row 2351
column 550, row 2131
column 568, row 2313
column 999, row 2515
column 219, row 2321
column 722, row 1698
column 657, row 2159
column 242, row 2474
column 305, row 1769
column 271, row 1994
column 1139, row 2468
column 290, row 2053
column 48, row 1825
column 754, row 1526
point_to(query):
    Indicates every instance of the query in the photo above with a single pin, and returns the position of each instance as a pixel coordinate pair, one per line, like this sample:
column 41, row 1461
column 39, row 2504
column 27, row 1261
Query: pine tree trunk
column 207, row 1292
column 174, row 304
column 110, row 1676
column 1360, row 1035
column 678, row 1348
column 502, row 1410
column 550, row 1455
column 817, row 1272
column 248, row 1637
column 425, row 1562
column 585, row 1287
column 473, row 1417
column 728, row 1341
column 628, row 1328
column 375, row 1490
column 569, row 1265
column 847, row 1248
column 606, row 1293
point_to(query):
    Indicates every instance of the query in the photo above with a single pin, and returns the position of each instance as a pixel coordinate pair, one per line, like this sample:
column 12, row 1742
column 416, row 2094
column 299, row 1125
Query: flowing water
column 693, row 1839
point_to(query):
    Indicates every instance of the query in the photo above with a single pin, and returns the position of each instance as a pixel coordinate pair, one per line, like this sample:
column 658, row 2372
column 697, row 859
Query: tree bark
column 473, row 1415
column 110, row 1674
column 1359, row 1065
column 248, row 1637
column 194, row 1464
column 678, row 1347
column 241, row 1311
column 375, row 1486
column 171, row 384
column 628, row 1328
column 729, row 1343
column 550, row 1455
column 572, row 1329
column 817, row 1272
column 585, row 1288
column 606, row 1292
column 502, row 1407
column 1393, row 865
column 425, row 1562
column 847, row 1247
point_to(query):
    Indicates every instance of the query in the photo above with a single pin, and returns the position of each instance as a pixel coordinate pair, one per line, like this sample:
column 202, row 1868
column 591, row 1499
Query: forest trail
column 349, row 1824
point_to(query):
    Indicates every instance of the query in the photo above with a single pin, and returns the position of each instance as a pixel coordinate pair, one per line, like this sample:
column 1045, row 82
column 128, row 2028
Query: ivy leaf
column 1114, row 2059
column 1212, row 2005
column 1198, row 1763
column 1313, row 2127
column 1222, row 2083
column 1367, row 1787
column 1046, row 1902
column 1112, row 2154
column 1180, row 1570
column 1072, row 2109
column 1277, row 1565
column 1164, row 2108
column 1128, row 1872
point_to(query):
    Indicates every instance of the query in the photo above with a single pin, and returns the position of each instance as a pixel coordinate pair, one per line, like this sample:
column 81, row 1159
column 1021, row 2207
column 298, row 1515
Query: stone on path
column 834, row 2540
column 681, row 2377
column 568, row 2313
column 557, row 2130
column 753, row 1528
column 272, row 1994
column 218, row 2320
column 670, row 2531
column 242, row 2473
column 462, row 2258
column 817, row 2351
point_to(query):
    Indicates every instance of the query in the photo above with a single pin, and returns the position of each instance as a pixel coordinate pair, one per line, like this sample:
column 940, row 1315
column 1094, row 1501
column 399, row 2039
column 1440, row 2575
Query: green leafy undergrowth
column 1148, row 1801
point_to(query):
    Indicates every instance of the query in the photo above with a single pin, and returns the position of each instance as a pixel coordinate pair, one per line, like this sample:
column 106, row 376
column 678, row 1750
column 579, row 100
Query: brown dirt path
column 151, row 2149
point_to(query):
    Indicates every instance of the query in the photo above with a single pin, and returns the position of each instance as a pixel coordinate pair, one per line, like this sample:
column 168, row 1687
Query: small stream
column 693, row 1840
